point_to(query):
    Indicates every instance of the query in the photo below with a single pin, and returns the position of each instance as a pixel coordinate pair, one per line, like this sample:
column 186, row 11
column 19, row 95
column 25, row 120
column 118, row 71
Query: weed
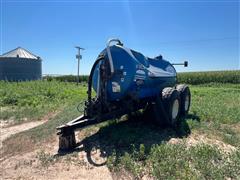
column 32, row 100
column 171, row 161
column 215, row 104
column 45, row 158
column 67, row 78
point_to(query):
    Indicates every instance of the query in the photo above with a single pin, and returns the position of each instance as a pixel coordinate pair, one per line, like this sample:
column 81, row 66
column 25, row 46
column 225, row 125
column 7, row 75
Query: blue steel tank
column 126, row 81
column 134, row 74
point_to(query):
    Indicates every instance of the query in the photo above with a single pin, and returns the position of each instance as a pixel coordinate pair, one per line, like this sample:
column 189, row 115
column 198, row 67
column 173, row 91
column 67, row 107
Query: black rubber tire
column 184, row 91
column 169, row 95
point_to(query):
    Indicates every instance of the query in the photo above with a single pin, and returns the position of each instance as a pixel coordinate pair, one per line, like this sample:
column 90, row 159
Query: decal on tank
column 140, row 72
column 116, row 87
column 136, row 77
column 170, row 69
column 158, row 72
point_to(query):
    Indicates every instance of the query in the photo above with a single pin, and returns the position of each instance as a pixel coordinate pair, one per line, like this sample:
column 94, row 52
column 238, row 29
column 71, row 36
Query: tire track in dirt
column 32, row 165
column 6, row 132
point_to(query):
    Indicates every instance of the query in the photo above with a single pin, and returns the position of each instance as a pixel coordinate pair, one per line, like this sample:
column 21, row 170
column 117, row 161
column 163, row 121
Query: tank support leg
column 67, row 141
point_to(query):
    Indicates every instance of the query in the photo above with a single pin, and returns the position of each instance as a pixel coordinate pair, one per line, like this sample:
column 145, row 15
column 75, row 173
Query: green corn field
column 184, row 77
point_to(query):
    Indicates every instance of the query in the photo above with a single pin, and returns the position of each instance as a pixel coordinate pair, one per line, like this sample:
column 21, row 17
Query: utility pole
column 78, row 56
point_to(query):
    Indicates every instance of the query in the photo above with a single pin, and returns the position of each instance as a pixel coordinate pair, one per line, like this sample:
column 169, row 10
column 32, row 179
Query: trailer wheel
column 185, row 96
column 171, row 102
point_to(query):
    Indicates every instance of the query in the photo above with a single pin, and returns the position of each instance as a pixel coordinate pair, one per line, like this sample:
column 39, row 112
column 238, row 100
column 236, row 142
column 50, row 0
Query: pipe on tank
column 109, row 51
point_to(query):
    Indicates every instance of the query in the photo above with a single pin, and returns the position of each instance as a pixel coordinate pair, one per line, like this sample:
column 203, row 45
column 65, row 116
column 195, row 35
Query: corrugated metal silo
column 20, row 65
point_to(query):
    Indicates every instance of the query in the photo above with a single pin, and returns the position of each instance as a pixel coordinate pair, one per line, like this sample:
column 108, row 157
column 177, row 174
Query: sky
column 205, row 33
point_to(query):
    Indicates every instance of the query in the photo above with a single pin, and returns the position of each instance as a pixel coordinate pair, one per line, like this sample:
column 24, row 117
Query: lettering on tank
column 116, row 87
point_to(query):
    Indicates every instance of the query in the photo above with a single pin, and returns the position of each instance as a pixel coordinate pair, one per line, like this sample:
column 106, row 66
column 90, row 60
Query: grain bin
column 20, row 65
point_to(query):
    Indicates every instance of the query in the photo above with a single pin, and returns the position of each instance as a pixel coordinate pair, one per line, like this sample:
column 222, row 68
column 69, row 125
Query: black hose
column 80, row 107
column 101, row 57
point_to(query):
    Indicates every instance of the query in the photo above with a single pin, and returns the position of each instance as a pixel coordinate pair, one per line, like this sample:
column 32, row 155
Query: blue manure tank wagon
column 126, row 81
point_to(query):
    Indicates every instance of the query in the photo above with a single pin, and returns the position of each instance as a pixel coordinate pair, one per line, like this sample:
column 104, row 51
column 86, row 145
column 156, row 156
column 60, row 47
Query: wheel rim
column 186, row 104
column 175, row 109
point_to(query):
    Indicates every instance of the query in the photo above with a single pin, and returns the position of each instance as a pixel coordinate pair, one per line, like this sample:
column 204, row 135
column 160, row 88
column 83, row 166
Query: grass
column 27, row 101
column 199, row 162
column 142, row 149
column 216, row 103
